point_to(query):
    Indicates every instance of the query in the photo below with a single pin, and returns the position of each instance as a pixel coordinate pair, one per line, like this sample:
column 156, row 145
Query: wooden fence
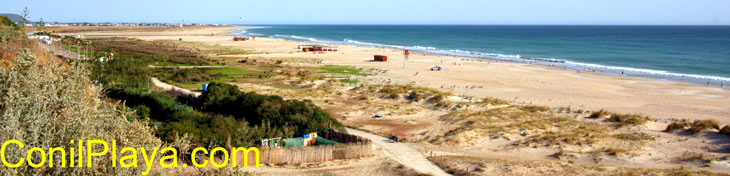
column 354, row 147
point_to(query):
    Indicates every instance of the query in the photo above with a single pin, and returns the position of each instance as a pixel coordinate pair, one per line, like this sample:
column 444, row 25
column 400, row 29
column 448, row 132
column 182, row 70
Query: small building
column 381, row 58
column 317, row 48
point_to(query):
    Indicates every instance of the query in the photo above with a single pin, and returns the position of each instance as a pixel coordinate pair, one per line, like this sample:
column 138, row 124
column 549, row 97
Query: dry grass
column 47, row 106
column 13, row 41
column 461, row 165
column 704, row 125
column 676, row 126
column 632, row 137
column 598, row 114
column 693, row 157
column 533, row 109
column 725, row 130
column 628, row 119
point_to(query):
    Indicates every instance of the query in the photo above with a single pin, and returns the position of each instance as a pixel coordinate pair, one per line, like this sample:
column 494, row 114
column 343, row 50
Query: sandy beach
column 547, row 140
column 525, row 83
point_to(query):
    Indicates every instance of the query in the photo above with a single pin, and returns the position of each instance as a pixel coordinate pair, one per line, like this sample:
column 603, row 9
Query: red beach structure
column 381, row 58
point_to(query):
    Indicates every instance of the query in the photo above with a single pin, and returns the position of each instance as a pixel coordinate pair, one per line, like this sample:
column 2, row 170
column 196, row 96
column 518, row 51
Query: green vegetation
column 221, row 114
column 151, row 52
column 142, row 112
column 126, row 72
column 272, row 111
column 215, row 49
column 5, row 21
column 343, row 70
column 46, row 105
column 185, row 75
column 194, row 77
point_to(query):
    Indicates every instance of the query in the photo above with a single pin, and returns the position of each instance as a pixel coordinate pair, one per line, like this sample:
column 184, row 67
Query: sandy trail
column 166, row 86
column 402, row 153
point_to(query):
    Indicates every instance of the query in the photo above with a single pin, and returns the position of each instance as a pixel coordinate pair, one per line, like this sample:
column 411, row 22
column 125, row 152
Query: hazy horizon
column 407, row 12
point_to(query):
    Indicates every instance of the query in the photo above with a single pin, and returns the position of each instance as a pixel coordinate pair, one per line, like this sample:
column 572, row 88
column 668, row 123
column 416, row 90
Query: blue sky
column 652, row 12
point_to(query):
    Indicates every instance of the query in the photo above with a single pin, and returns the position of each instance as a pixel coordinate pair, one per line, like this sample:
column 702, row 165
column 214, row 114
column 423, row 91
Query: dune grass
column 342, row 70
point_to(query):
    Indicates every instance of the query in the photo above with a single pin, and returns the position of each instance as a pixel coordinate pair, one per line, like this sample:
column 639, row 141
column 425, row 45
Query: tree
column 25, row 15
column 41, row 25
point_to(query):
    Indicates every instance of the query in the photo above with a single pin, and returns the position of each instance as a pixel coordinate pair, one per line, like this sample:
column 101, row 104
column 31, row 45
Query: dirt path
column 187, row 67
column 166, row 86
column 402, row 153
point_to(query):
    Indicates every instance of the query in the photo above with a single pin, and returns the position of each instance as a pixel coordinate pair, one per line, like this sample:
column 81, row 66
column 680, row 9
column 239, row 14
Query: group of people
column 721, row 84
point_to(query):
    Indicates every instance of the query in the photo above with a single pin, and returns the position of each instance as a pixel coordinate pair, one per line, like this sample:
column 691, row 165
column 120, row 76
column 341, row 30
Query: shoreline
column 659, row 75
column 530, row 84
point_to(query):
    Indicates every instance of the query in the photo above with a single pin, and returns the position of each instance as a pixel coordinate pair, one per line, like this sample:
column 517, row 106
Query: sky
column 565, row 12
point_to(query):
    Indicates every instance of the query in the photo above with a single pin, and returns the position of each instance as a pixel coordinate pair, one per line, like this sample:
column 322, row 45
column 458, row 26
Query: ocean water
column 695, row 54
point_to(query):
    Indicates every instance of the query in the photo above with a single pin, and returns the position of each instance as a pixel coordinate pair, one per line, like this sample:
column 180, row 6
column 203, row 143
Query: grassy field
column 342, row 70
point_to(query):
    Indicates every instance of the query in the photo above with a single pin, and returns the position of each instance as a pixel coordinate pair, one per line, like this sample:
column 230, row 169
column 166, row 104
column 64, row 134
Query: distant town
column 49, row 24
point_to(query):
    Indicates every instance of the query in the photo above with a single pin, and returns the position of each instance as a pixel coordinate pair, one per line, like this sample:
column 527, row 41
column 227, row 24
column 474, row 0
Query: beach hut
column 317, row 48
column 381, row 58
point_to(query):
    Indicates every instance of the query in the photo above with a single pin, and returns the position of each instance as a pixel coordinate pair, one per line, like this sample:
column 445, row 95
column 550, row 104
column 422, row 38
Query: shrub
column 288, row 116
column 725, row 130
column 494, row 101
column 415, row 96
column 142, row 112
column 627, row 119
column 598, row 114
column 676, row 126
column 702, row 125
column 533, row 109
column 44, row 105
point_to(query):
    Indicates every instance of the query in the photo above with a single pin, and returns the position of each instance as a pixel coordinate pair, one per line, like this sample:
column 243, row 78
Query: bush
column 627, row 119
column 44, row 105
column 703, row 125
column 533, row 109
column 415, row 96
column 725, row 130
column 676, row 126
column 284, row 116
column 598, row 114
column 123, row 72
column 142, row 112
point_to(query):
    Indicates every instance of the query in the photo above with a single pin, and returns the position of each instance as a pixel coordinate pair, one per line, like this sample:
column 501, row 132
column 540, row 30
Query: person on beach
column 708, row 83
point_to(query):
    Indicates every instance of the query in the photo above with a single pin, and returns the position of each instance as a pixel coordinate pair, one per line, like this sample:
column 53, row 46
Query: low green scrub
column 289, row 116
column 124, row 72
column 45, row 105
column 344, row 70
column 185, row 75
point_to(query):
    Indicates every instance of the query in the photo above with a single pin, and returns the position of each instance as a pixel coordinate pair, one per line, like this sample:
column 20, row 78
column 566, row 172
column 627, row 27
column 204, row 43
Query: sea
column 694, row 54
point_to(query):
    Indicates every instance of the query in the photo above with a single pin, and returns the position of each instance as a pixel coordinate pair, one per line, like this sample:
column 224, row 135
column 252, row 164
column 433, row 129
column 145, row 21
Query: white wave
column 458, row 52
column 652, row 71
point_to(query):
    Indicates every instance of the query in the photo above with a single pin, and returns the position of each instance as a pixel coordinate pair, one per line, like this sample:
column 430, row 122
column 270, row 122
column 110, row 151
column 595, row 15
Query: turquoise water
column 681, row 53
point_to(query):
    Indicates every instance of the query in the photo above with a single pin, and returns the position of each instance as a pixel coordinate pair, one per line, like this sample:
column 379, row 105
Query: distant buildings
column 49, row 24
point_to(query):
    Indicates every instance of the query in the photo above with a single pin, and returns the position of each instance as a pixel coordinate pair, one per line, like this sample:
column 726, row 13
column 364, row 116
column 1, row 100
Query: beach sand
column 525, row 83
column 521, row 83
